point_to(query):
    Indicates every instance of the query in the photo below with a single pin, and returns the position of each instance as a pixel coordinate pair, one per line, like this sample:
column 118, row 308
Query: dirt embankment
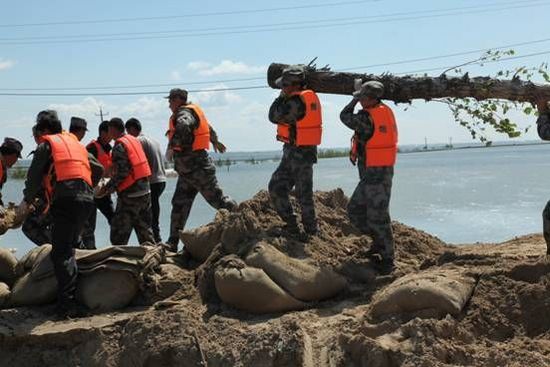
column 495, row 300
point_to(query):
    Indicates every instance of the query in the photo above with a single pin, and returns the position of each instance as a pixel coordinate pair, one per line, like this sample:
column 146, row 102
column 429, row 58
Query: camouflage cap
column 371, row 88
column 292, row 75
column 78, row 123
column 13, row 145
column 177, row 93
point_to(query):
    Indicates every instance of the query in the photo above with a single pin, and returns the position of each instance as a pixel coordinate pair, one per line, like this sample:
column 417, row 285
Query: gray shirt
column 154, row 155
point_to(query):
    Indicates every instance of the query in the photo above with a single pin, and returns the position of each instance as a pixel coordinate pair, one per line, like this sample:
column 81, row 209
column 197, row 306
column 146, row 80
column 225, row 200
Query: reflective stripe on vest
column 309, row 128
column 138, row 161
column 382, row 146
column 102, row 156
column 70, row 160
column 201, row 133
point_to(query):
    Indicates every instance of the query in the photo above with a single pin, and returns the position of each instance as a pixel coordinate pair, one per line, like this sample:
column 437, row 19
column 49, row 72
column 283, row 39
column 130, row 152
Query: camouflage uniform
column 295, row 169
column 543, row 128
column 133, row 209
column 368, row 208
column 196, row 173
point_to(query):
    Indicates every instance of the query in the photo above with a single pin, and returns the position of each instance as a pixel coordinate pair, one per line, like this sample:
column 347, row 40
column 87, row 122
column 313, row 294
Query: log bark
column 403, row 89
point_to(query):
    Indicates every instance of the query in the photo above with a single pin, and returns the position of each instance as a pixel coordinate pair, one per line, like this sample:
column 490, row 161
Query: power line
column 274, row 27
column 128, row 93
column 138, row 85
column 406, row 61
column 249, row 27
column 192, row 15
column 477, row 63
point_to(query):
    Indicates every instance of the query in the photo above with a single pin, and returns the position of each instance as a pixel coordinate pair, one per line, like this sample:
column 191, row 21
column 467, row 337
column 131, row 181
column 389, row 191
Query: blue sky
column 422, row 28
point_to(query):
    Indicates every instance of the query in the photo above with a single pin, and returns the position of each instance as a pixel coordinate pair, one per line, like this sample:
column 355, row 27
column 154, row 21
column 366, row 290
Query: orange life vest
column 138, row 161
column 102, row 156
column 201, row 133
column 70, row 161
column 381, row 148
column 1, row 173
column 309, row 128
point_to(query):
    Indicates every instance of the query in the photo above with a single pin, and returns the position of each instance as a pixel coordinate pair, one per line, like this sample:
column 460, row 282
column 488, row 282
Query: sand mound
column 499, row 319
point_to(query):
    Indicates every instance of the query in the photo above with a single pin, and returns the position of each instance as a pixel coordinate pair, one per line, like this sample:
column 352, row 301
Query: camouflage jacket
column 362, row 125
column 290, row 110
column 121, row 169
column 186, row 123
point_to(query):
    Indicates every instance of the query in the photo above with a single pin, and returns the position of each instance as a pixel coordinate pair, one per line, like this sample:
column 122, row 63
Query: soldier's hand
column 219, row 147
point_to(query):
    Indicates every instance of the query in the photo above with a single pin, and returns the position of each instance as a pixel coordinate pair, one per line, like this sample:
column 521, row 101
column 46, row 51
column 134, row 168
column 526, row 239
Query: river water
column 461, row 196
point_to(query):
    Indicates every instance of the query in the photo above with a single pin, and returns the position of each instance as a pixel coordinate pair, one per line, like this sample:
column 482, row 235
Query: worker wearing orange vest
column 131, row 181
column 37, row 225
column 62, row 167
column 297, row 113
column 189, row 137
column 10, row 152
column 100, row 148
column 374, row 150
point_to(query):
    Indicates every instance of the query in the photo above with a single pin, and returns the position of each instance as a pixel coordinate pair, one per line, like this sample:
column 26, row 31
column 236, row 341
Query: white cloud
column 6, row 64
column 224, row 67
column 175, row 75
column 210, row 96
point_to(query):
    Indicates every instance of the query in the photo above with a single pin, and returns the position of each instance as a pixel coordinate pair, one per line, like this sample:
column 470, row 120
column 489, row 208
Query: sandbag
column 26, row 262
column 28, row 291
column 444, row 291
column 250, row 289
column 8, row 263
column 200, row 242
column 302, row 280
column 4, row 294
column 107, row 289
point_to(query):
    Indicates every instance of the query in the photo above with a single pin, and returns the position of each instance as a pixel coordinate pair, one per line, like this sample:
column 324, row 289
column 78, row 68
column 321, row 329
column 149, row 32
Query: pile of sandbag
column 435, row 293
column 109, row 278
column 267, row 280
column 8, row 264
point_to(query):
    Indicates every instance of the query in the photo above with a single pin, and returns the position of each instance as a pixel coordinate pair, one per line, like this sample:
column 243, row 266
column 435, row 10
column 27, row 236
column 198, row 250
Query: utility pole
column 425, row 143
column 101, row 114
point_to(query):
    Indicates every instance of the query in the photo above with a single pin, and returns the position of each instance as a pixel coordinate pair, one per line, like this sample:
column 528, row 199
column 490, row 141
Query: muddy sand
column 495, row 310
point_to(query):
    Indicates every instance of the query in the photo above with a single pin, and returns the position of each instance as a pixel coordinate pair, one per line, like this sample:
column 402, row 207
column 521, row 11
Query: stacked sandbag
column 200, row 242
column 109, row 278
column 4, row 294
column 251, row 289
column 8, row 264
column 437, row 292
column 302, row 280
column 270, row 281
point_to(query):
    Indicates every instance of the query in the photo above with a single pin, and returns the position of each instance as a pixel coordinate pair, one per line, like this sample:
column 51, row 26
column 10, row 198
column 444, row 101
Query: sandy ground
column 506, row 321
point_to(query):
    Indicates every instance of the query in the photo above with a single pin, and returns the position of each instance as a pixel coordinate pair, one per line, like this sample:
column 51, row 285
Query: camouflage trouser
column 546, row 226
column 298, row 173
column 132, row 213
column 190, row 183
column 368, row 208
column 37, row 227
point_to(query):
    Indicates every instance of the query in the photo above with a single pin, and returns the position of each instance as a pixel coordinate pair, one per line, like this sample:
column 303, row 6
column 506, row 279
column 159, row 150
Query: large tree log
column 406, row 88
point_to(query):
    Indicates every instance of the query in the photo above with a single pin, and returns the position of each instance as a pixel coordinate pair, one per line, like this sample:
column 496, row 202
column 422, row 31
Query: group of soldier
column 67, row 182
